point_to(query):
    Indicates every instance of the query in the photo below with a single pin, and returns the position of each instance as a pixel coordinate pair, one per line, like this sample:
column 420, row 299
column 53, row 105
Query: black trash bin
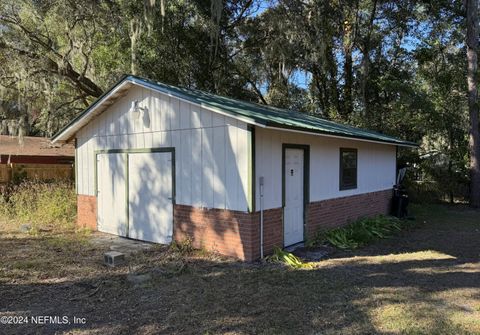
column 399, row 202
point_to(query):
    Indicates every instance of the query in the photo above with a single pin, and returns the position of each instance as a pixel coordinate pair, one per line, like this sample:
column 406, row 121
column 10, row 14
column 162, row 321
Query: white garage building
column 157, row 163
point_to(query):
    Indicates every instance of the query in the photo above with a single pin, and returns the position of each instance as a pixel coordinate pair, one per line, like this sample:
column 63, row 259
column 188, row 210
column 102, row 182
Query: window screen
column 348, row 168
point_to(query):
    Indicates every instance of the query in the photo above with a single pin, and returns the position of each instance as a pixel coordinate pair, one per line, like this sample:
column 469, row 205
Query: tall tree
column 395, row 66
column 471, row 7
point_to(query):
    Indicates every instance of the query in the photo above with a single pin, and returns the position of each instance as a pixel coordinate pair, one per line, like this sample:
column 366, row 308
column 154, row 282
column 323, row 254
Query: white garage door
column 111, row 176
column 150, row 194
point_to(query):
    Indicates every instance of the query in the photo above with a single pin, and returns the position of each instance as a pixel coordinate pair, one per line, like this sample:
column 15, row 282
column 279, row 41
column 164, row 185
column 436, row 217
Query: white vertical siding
column 207, row 166
column 186, row 161
column 219, row 171
column 376, row 165
column 241, row 158
column 211, row 153
column 210, row 149
column 196, row 179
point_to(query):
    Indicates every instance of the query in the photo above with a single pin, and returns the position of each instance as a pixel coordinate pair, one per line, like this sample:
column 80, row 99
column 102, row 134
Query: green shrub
column 432, row 191
column 362, row 232
column 5, row 193
column 4, row 208
column 424, row 192
column 183, row 247
column 287, row 258
column 39, row 203
column 316, row 240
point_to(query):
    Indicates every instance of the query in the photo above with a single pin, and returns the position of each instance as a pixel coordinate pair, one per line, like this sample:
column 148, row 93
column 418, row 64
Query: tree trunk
column 472, row 67
column 350, row 23
column 135, row 31
column 320, row 88
column 365, row 64
column 348, row 70
column 332, row 71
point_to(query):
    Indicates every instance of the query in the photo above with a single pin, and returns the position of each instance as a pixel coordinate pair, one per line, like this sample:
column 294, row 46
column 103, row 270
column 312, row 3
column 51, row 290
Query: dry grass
column 425, row 281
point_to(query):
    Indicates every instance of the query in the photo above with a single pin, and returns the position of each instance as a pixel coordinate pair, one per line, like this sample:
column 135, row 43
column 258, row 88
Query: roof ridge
column 247, row 111
column 287, row 112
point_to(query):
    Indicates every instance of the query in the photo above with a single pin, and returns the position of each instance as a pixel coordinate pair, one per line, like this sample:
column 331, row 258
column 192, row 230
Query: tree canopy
column 398, row 67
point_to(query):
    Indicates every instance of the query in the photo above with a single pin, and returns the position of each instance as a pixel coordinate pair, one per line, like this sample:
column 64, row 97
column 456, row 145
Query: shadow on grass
column 221, row 298
column 453, row 230
column 394, row 286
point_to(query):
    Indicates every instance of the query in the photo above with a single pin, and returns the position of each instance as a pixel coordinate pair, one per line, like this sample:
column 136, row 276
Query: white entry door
column 111, row 197
column 293, row 210
column 150, row 194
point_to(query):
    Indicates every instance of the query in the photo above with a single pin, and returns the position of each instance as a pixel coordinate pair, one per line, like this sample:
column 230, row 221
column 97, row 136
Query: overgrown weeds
column 39, row 203
column 361, row 232
column 183, row 247
column 287, row 258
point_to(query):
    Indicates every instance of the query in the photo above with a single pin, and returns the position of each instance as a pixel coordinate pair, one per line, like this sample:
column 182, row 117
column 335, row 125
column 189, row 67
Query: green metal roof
column 272, row 116
column 258, row 114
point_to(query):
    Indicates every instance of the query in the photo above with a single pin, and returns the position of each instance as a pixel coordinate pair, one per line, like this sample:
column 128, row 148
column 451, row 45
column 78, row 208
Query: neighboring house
column 161, row 163
column 34, row 158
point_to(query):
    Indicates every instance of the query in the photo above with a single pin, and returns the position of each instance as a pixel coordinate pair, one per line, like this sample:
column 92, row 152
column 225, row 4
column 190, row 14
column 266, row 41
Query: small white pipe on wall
column 261, row 217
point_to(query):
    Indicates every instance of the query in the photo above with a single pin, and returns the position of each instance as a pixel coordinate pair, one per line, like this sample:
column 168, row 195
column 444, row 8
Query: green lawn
column 424, row 281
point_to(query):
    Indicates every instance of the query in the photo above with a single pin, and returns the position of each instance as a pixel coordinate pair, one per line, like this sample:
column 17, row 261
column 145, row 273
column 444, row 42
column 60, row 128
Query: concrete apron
column 120, row 244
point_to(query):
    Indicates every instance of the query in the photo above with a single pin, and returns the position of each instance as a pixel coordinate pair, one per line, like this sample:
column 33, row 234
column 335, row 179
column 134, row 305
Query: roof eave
column 140, row 82
column 69, row 131
column 118, row 90
column 309, row 131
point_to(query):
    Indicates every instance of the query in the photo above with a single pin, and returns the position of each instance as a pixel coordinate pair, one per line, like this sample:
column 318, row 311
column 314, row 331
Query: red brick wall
column 272, row 230
column 331, row 213
column 237, row 234
column 230, row 233
column 87, row 211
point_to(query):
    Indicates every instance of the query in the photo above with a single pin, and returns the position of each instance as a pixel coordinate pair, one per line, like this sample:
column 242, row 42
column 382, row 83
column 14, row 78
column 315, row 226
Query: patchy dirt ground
column 424, row 281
